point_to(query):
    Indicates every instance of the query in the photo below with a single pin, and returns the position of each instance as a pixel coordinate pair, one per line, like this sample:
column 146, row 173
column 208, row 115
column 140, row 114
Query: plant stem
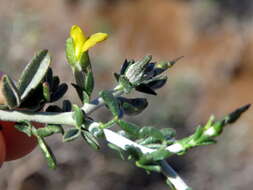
column 167, row 170
column 40, row 117
column 112, row 137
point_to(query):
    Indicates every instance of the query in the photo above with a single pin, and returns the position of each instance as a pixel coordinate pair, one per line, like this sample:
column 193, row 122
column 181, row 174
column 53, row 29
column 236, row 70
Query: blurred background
column 215, row 77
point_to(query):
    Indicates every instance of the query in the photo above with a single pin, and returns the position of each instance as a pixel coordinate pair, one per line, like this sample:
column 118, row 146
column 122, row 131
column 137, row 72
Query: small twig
column 167, row 170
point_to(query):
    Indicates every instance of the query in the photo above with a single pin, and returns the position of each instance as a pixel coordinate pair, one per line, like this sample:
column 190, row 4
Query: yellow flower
column 83, row 43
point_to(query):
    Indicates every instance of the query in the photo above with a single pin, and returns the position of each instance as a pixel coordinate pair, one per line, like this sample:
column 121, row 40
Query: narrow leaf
column 34, row 73
column 48, row 154
column 10, row 92
column 59, row 93
column 24, row 127
column 90, row 139
column 133, row 106
column 66, row 106
column 78, row 115
column 149, row 168
column 71, row 134
column 111, row 102
column 150, row 132
column 130, row 128
column 145, row 89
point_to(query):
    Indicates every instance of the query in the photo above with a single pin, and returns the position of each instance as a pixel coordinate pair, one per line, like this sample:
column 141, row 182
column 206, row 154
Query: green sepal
column 89, row 83
column 90, row 139
column 70, row 52
column 124, row 82
column 84, row 62
column 34, row 73
column 50, row 130
column 48, row 154
column 10, row 92
column 78, row 115
column 46, row 91
column 131, row 129
column 71, row 134
column 111, row 102
column 218, row 127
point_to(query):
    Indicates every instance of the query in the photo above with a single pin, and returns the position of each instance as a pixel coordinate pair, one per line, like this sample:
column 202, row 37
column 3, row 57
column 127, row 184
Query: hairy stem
column 167, row 170
column 112, row 137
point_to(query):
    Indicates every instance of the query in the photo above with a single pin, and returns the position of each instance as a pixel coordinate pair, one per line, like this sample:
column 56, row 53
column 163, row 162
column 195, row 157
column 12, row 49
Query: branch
column 167, row 170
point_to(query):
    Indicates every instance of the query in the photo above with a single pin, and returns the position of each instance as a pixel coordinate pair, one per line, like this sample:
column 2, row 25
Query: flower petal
column 78, row 37
column 93, row 40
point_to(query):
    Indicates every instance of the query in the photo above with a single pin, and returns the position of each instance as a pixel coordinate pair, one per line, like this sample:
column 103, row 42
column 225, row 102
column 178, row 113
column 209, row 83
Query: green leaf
column 233, row 116
column 49, row 130
column 24, row 127
column 86, row 97
column 70, row 52
column 148, row 168
column 168, row 133
column 150, row 132
column 66, row 106
column 54, row 108
column 149, row 140
column 78, row 115
column 61, row 90
column 134, row 152
column 155, row 156
column 207, row 142
column 10, row 92
column 111, row 102
column 89, row 83
column 133, row 106
column 48, row 154
column 130, row 128
column 55, row 83
column 90, row 139
column 49, row 77
column 71, row 134
column 119, row 150
column 198, row 133
column 34, row 73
